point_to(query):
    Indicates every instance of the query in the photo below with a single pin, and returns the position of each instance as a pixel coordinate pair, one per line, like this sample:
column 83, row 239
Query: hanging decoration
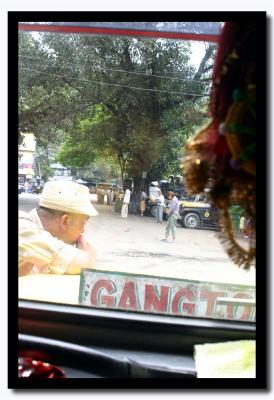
column 222, row 155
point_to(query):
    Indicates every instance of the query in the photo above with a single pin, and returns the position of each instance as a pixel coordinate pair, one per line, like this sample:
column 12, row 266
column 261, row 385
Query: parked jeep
column 196, row 212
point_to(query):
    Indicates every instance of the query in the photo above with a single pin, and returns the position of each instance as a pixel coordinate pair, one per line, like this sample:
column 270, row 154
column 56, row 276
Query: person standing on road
column 26, row 186
column 126, row 200
column 160, row 202
column 173, row 214
column 242, row 224
column 143, row 202
column 51, row 237
column 110, row 196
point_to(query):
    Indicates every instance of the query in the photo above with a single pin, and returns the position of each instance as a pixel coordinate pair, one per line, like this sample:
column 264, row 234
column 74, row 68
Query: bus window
column 116, row 106
column 122, row 107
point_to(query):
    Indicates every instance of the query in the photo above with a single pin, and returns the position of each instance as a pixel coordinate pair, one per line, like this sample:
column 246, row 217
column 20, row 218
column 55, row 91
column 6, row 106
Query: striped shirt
column 40, row 252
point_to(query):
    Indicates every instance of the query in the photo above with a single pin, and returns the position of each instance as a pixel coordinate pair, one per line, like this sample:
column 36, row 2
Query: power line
column 115, row 84
column 117, row 70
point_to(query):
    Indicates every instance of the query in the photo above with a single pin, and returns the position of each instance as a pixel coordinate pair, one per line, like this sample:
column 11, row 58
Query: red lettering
column 188, row 308
column 211, row 300
column 103, row 300
column 128, row 299
column 152, row 300
column 231, row 310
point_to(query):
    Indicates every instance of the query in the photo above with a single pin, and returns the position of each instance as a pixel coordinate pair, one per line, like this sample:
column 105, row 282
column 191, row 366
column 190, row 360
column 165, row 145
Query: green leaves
column 130, row 99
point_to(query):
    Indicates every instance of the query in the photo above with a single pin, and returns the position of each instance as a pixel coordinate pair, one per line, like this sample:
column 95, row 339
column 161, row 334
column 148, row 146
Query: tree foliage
column 133, row 100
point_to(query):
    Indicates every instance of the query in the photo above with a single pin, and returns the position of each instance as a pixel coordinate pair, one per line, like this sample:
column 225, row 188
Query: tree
column 110, row 97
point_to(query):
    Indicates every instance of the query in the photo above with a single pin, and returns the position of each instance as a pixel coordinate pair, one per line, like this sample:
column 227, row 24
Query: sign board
column 122, row 291
column 25, row 169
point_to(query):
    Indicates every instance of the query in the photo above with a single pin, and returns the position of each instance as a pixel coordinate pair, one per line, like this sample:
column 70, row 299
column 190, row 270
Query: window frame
column 122, row 335
column 45, row 320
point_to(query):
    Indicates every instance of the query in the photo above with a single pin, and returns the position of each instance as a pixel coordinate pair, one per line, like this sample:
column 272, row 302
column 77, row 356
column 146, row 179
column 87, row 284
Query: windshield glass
column 113, row 113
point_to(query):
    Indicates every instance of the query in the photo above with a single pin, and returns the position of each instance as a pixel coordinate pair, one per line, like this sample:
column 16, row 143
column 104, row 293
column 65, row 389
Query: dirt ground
column 134, row 245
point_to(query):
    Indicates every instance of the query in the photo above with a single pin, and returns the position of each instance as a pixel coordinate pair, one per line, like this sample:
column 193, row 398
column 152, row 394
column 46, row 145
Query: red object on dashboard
column 35, row 369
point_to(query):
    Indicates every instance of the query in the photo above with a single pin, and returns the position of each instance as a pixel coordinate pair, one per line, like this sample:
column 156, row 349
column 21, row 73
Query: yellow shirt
column 40, row 252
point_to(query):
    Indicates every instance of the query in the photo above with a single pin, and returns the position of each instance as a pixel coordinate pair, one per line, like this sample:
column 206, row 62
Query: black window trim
column 54, row 310
column 122, row 335
column 130, row 330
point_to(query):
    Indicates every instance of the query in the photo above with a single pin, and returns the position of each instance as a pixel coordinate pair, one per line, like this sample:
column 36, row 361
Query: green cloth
column 226, row 360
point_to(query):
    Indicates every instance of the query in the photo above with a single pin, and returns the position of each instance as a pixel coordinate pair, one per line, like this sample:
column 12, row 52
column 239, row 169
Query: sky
column 198, row 51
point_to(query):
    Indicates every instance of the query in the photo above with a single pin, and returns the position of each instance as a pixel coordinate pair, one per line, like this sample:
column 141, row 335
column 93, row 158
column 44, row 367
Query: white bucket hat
column 67, row 196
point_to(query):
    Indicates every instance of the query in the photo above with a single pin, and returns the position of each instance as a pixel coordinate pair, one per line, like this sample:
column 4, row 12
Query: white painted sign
column 121, row 291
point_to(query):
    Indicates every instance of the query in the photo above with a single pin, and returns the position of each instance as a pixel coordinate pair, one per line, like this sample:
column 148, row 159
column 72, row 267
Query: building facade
column 26, row 157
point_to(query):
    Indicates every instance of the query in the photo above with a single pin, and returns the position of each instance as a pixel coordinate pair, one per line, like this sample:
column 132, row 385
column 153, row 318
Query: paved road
column 134, row 246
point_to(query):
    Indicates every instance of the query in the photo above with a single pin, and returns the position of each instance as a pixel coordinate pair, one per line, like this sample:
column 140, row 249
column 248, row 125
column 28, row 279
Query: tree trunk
column 202, row 69
column 122, row 168
column 137, row 181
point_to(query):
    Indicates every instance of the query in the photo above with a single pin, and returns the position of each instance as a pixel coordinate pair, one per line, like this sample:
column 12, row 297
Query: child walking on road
column 173, row 214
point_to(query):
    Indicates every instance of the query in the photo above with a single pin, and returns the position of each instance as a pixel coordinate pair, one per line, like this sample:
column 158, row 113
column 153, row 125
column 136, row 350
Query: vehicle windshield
column 114, row 113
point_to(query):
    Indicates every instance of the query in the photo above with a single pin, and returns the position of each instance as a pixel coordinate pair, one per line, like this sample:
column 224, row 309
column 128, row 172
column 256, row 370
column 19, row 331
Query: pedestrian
column 142, row 205
column 110, row 196
column 160, row 202
column 30, row 189
column 242, row 224
column 26, row 186
column 51, row 237
column 126, row 200
column 173, row 214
